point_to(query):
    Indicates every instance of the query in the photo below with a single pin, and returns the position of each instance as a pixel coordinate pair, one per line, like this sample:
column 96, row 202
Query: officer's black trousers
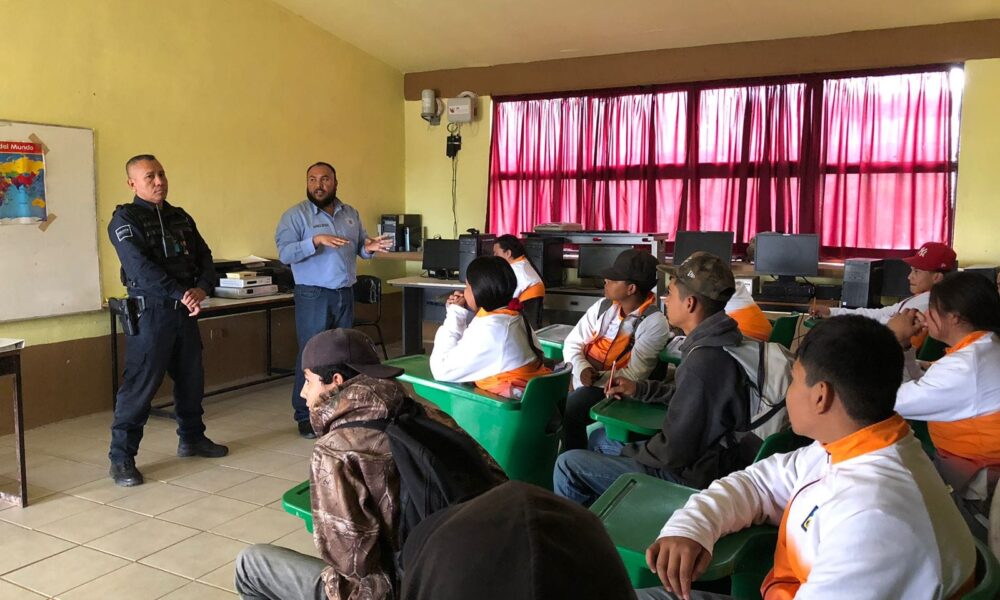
column 168, row 342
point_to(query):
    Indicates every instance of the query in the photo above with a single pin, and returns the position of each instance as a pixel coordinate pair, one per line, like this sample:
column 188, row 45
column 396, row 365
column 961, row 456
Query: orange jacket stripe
column 503, row 384
column 535, row 291
column 752, row 322
column 601, row 352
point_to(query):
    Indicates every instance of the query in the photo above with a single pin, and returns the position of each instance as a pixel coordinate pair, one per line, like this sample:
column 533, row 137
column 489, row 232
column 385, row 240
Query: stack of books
column 245, row 284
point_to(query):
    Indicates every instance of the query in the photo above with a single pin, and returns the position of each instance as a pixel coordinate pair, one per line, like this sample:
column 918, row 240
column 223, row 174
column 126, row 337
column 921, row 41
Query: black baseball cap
column 633, row 265
column 346, row 347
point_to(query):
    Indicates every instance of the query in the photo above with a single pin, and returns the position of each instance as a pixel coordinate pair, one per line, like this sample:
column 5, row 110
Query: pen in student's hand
column 611, row 378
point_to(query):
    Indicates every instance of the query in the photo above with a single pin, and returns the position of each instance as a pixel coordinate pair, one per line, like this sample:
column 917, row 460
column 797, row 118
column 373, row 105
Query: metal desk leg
column 12, row 365
column 413, row 320
column 267, row 336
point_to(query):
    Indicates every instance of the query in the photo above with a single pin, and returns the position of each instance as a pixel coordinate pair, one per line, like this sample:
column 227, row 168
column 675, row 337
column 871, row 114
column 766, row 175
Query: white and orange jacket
column 750, row 318
column 529, row 284
column 959, row 397
column 491, row 348
column 600, row 339
column 882, row 315
column 864, row 517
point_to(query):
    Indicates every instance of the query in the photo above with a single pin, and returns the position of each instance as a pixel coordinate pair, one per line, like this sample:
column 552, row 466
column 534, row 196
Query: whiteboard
column 50, row 267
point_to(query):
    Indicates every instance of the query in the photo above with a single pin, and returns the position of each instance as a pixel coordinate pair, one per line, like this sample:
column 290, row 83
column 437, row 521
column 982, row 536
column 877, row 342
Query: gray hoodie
column 707, row 402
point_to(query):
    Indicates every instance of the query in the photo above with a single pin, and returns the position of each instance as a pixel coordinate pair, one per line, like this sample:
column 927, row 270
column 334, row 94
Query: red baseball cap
column 933, row 256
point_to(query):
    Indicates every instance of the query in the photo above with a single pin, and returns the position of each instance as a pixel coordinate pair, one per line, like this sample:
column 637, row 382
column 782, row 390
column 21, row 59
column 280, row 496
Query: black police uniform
column 162, row 256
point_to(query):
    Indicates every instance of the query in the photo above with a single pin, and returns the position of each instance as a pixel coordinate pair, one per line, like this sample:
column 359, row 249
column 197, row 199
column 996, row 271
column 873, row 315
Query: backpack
column 438, row 466
column 650, row 310
column 767, row 367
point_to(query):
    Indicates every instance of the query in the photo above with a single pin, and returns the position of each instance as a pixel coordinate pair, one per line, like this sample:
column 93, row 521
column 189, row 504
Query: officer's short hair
column 322, row 164
column 136, row 159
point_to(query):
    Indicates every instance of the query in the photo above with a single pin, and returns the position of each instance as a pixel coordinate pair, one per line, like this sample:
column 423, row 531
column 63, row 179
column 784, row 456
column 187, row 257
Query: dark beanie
column 516, row 541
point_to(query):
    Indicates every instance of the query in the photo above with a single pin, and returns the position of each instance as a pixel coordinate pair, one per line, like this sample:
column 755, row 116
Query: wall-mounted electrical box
column 461, row 110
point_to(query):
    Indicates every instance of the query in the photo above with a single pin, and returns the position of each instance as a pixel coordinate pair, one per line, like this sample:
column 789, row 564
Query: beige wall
column 428, row 172
column 977, row 218
column 236, row 97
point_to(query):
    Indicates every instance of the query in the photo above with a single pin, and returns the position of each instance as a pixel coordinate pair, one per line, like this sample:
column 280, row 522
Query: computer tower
column 987, row 271
column 546, row 255
column 406, row 229
column 470, row 247
column 895, row 278
column 862, row 282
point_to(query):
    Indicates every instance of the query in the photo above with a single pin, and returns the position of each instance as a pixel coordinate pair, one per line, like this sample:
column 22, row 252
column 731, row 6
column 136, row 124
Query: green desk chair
column 783, row 331
column 634, row 510
column 551, row 339
column 296, row 502
column 628, row 420
column 987, row 575
column 667, row 358
column 921, row 432
column 780, row 443
column 522, row 435
column 932, row 350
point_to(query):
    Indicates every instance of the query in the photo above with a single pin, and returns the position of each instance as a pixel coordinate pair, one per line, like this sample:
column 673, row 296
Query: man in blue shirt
column 320, row 238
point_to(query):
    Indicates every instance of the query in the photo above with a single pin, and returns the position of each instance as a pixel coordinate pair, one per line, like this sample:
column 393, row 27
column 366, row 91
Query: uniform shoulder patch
column 123, row 233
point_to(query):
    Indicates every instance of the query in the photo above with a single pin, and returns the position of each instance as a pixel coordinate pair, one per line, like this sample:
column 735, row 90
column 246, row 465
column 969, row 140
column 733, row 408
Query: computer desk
column 414, row 292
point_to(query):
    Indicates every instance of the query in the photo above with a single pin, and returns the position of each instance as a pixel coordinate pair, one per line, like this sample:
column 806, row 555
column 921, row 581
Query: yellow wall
column 428, row 171
column 236, row 98
column 978, row 194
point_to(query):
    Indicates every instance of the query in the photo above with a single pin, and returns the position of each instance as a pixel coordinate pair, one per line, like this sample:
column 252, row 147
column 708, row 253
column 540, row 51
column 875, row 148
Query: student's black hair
column 326, row 372
column 709, row 305
column 970, row 296
column 492, row 281
column 322, row 164
column 511, row 244
column 860, row 359
column 137, row 159
column 493, row 284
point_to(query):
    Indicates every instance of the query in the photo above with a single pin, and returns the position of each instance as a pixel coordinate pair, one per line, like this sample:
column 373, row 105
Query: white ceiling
column 425, row 35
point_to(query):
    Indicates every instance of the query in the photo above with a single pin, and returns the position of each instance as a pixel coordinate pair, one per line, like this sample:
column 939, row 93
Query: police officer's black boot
column 125, row 473
column 203, row 447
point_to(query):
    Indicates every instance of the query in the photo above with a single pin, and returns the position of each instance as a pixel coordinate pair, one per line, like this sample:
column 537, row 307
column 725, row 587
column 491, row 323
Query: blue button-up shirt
column 327, row 267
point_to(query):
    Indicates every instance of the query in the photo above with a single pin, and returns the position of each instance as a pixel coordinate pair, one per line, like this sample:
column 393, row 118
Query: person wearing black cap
column 624, row 331
column 355, row 482
column 708, row 401
column 551, row 548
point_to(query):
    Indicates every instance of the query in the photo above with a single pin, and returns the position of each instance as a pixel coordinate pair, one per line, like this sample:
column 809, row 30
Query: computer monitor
column 440, row 257
column 719, row 243
column 895, row 278
column 787, row 255
column 595, row 258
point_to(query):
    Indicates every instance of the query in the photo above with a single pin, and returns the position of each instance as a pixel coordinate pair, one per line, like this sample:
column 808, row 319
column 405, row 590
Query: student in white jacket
column 927, row 267
column 625, row 329
column 959, row 395
column 485, row 339
column 862, row 513
column 530, row 290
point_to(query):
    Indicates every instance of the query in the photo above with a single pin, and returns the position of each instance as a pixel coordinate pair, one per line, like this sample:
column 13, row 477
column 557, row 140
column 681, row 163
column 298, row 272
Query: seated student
column 928, row 266
column 550, row 549
column 708, row 405
column 355, row 482
column 625, row 329
column 750, row 318
column 959, row 394
column 484, row 337
column 862, row 513
column 530, row 290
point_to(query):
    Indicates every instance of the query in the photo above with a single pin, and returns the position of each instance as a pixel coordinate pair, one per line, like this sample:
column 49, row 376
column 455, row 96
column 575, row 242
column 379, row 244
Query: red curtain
column 834, row 155
column 887, row 161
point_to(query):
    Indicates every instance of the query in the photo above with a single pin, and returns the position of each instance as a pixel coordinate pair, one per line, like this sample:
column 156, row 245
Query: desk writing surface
column 214, row 302
column 427, row 282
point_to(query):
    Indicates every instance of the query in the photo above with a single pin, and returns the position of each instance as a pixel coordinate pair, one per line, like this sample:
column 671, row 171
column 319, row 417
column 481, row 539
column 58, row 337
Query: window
column 868, row 162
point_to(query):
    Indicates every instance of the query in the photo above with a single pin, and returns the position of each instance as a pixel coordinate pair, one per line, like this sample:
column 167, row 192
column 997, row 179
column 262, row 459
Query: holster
column 128, row 311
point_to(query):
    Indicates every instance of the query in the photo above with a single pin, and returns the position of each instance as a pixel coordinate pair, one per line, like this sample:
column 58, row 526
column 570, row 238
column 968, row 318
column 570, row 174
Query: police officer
column 168, row 270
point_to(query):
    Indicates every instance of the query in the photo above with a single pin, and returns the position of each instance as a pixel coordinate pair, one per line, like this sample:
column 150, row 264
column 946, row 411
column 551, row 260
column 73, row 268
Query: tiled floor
column 176, row 536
